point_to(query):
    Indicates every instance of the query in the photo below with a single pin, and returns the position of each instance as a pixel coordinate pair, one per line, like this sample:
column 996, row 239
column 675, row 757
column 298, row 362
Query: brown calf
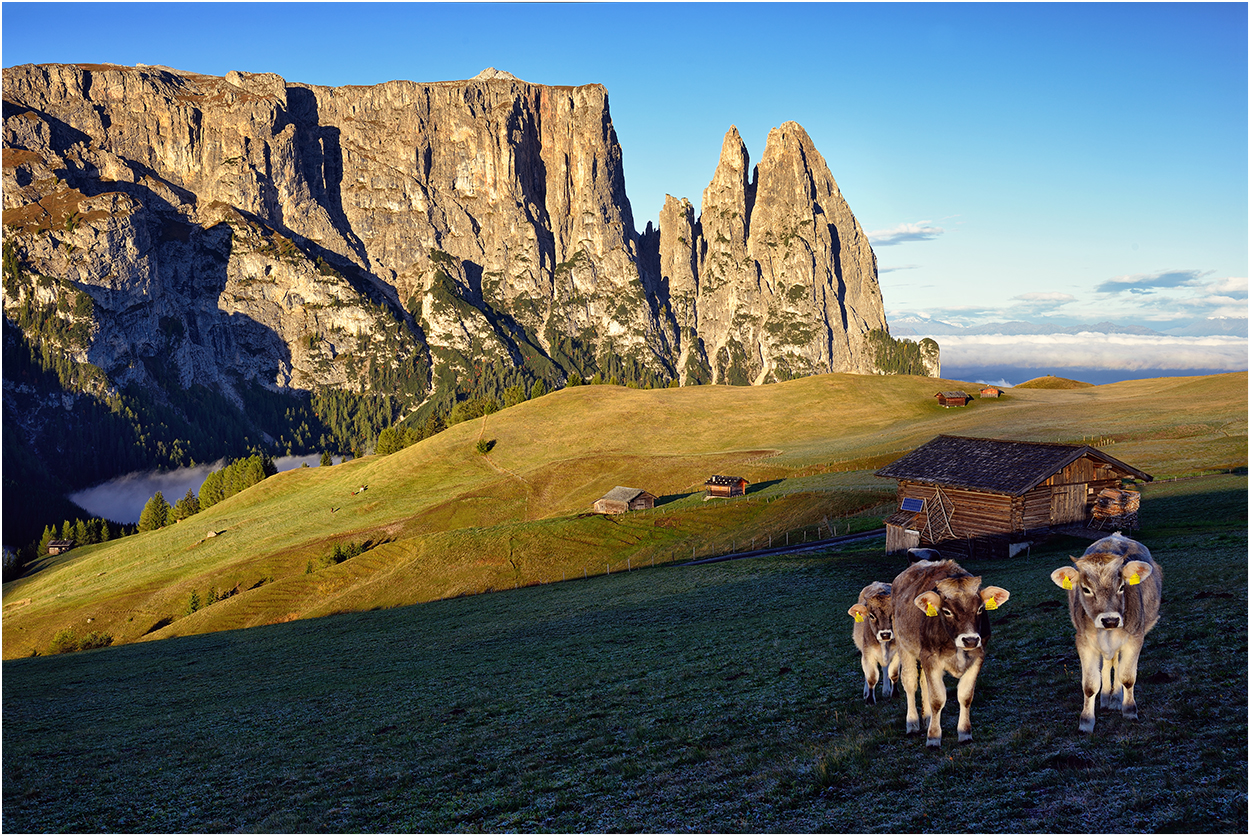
column 1113, row 598
column 941, row 626
column 873, row 634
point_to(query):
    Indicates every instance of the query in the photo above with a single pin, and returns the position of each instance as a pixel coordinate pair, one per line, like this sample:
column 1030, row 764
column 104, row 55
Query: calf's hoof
column 913, row 726
column 935, row 742
column 965, row 736
column 1129, row 712
column 1086, row 725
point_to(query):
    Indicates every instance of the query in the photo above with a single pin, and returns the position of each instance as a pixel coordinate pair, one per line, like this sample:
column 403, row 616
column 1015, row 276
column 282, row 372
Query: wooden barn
column 726, row 486
column 621, row 499
column 59, row 546
column 991, row 392
column 949, row 399
column 983, row 497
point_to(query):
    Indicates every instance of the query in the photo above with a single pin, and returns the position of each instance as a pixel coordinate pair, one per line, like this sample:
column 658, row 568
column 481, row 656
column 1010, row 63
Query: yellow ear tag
column 930, row 610
column 1134, row 579
column 991, row 604
column 859, row 618
column 1067, row 582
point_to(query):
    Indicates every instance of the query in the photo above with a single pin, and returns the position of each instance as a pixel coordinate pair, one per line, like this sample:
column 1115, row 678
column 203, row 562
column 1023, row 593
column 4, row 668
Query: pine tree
column 326, row 459
column 49, row 534
column 187, row 506
column 539, row 389
column 155, row 513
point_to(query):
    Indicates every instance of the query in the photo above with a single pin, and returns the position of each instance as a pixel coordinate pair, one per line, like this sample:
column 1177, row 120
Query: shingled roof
column 623, row 494
column 991, row 464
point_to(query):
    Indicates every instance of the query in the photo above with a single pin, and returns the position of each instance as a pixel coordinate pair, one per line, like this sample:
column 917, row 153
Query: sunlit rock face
column 785, row 282
column 251, row 230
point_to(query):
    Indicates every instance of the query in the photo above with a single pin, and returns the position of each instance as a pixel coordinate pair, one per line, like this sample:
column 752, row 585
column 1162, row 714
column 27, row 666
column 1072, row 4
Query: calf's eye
column 1087, row 590
column 947, row 613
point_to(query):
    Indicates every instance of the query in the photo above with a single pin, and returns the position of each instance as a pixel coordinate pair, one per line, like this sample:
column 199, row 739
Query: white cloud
column 1228, row 286
column 903, row 233
column 1054, row 298
column 1090, row 350
column 1150, row 282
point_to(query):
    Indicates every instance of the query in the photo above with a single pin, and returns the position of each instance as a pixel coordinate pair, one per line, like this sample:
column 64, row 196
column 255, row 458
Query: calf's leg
column 935, row 677
column 967, row 687
column 908, row 674
column 1091, row 671
column 1126, row 673
column 869, row 666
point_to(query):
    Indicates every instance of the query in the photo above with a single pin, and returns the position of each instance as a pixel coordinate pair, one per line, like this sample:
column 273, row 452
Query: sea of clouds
column 1130, row 352
column 122, row 499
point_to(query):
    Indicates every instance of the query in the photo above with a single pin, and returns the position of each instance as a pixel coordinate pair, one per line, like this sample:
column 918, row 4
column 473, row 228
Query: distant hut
column 726, row 486
column 991, row 392
column 956, row 398
column 621, row 499
column 59, row 546
column 987, row 497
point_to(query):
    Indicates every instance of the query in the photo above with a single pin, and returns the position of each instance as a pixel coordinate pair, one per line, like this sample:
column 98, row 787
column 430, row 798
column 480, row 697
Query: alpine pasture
column 717, row 697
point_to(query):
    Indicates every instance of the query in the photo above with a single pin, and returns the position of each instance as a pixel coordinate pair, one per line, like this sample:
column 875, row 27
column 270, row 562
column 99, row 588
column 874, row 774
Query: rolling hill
column 439, row 519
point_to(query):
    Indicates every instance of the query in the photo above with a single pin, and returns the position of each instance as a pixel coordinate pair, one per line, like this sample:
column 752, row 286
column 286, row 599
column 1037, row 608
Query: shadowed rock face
column 247, row 228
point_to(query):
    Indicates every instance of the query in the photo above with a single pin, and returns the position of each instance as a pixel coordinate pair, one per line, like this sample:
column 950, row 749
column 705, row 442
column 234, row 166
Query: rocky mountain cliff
column 427, row 241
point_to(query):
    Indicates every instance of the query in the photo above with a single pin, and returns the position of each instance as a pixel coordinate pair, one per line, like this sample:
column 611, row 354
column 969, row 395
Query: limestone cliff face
column 408, row 238
column 786, row 280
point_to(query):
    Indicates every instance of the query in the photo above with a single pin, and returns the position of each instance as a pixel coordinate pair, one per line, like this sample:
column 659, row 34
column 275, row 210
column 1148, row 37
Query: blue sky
column 1046, row 162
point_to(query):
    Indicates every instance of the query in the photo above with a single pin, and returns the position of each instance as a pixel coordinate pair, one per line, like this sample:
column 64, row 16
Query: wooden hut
column 621, row 499
column 59, row 546
column 992, row 497
column 726, row 486
column 991, row 392
column 956, row 398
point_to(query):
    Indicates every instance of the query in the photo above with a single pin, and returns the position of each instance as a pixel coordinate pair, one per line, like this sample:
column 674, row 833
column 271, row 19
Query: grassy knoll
column 714, row 698
column 439, row 519
column 1051, row 382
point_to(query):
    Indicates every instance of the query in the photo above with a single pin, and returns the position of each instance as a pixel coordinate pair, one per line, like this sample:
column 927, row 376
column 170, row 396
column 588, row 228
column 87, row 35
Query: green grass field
column 714, row 698
column 441, row 520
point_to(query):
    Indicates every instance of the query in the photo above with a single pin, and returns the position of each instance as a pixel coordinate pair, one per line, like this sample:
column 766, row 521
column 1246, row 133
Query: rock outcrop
column 418, row 239
column 785, row 282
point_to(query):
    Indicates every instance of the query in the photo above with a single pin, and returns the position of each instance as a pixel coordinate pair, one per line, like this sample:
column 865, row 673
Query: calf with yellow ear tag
column 873, row 634
column 1114, row 591
column 941, row 626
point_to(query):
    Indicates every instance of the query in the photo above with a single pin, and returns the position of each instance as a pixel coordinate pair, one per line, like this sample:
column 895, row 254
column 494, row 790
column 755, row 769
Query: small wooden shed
column 726, row 486
column 956, row 398
column 992, row 497
column 991, row 392
column 621, row 499
column 59, row 546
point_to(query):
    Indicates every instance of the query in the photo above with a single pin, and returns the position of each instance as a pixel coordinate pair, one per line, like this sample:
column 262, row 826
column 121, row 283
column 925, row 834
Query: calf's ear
column 1065, row 577
column 1135, row 571
column 994, row 597
column 928, row 602
column 858, row 612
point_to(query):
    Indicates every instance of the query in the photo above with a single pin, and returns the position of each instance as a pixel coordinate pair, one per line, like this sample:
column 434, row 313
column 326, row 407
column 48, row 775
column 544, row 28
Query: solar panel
column 913, row 503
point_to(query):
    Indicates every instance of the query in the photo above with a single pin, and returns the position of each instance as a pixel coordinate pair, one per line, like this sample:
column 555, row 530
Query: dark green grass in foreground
column 722, row 697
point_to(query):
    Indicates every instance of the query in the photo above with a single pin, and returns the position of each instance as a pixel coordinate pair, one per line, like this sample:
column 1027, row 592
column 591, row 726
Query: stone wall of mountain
column 415, row 238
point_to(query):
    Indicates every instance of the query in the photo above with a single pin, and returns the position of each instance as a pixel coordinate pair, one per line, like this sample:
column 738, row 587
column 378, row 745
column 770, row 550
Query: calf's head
column 876, row 608
column 959, row 604
column 1099, row 581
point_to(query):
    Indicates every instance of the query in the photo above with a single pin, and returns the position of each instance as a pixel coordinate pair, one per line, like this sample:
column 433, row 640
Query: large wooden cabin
column 982, row 497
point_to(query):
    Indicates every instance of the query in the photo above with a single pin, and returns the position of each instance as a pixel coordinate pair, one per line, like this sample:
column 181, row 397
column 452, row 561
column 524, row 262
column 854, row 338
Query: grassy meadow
column 711, row 698
column 439, row 520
